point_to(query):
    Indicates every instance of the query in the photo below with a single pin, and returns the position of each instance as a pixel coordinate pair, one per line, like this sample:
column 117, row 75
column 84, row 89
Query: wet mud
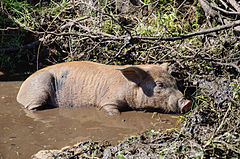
column 23, row 133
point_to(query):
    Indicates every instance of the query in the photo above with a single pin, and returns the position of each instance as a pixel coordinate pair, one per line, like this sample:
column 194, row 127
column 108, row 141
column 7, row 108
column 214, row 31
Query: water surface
column 23, row 133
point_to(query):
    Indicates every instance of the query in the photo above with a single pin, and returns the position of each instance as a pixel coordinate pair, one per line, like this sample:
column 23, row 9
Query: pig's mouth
column 184, row 105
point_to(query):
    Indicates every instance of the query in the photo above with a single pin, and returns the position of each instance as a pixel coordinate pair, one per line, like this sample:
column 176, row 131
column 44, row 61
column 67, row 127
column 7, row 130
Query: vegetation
column 205, row 62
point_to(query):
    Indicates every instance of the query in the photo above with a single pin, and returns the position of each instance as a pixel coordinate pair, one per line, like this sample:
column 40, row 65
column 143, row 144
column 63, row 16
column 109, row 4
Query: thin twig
column 124, row 28
column 234, row 4
column 219, row 127
column 222, row 10
column 119, row 52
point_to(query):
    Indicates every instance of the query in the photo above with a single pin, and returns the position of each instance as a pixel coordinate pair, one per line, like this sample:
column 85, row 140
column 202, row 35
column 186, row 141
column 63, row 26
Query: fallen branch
column 202, row 32
column 229, row 64
column 136, row 39
column 27, row 46
column 106, row 37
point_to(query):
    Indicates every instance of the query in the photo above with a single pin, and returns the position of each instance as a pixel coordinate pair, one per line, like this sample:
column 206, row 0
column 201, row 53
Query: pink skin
column 108, row 87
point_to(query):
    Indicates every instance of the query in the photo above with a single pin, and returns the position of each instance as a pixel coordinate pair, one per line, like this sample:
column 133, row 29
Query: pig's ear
column 133, row 74
column 164, row 66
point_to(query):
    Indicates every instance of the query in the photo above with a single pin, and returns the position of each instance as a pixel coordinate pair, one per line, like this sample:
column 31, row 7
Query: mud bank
column 211, row 130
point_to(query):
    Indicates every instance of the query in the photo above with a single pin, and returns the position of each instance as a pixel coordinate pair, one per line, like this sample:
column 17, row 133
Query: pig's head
column 154, row 88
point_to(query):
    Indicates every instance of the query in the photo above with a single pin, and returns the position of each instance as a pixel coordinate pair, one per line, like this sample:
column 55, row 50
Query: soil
column 201, row 135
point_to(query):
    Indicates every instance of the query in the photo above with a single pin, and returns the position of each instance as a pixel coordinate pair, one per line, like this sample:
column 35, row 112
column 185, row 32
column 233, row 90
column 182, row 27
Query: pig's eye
column 160, row 84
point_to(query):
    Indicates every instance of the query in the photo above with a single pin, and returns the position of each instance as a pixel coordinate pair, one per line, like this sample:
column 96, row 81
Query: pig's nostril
column 186, row 106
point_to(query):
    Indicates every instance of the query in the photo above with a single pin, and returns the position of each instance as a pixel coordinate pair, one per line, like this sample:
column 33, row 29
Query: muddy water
column 23, row 133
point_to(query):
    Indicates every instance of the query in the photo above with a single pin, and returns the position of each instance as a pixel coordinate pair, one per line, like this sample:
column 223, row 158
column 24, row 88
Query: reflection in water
column 23, row 132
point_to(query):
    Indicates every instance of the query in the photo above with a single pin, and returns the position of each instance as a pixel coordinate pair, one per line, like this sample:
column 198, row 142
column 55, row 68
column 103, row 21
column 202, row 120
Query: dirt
column 207, row 132
column 23, row 133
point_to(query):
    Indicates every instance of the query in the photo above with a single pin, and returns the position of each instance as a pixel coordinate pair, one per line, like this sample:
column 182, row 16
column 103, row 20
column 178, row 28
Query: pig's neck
column 135, row 97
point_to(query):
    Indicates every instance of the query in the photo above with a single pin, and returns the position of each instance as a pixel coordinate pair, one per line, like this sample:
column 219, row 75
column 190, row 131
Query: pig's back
column 82, row 83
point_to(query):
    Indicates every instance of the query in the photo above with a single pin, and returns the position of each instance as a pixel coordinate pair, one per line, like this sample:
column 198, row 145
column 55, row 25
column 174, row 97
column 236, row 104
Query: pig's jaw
column 174, row 101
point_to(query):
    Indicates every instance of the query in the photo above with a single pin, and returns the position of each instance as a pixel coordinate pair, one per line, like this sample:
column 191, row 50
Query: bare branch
column 234, row 4
column 224, row 11
column 9, row 28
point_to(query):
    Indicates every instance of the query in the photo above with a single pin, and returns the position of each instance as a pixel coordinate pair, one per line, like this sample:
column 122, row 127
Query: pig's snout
column 185, row 105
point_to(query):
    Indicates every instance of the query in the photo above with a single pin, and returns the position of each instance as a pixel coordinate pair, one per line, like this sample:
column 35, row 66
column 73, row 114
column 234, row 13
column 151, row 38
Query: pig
column 110, row 88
